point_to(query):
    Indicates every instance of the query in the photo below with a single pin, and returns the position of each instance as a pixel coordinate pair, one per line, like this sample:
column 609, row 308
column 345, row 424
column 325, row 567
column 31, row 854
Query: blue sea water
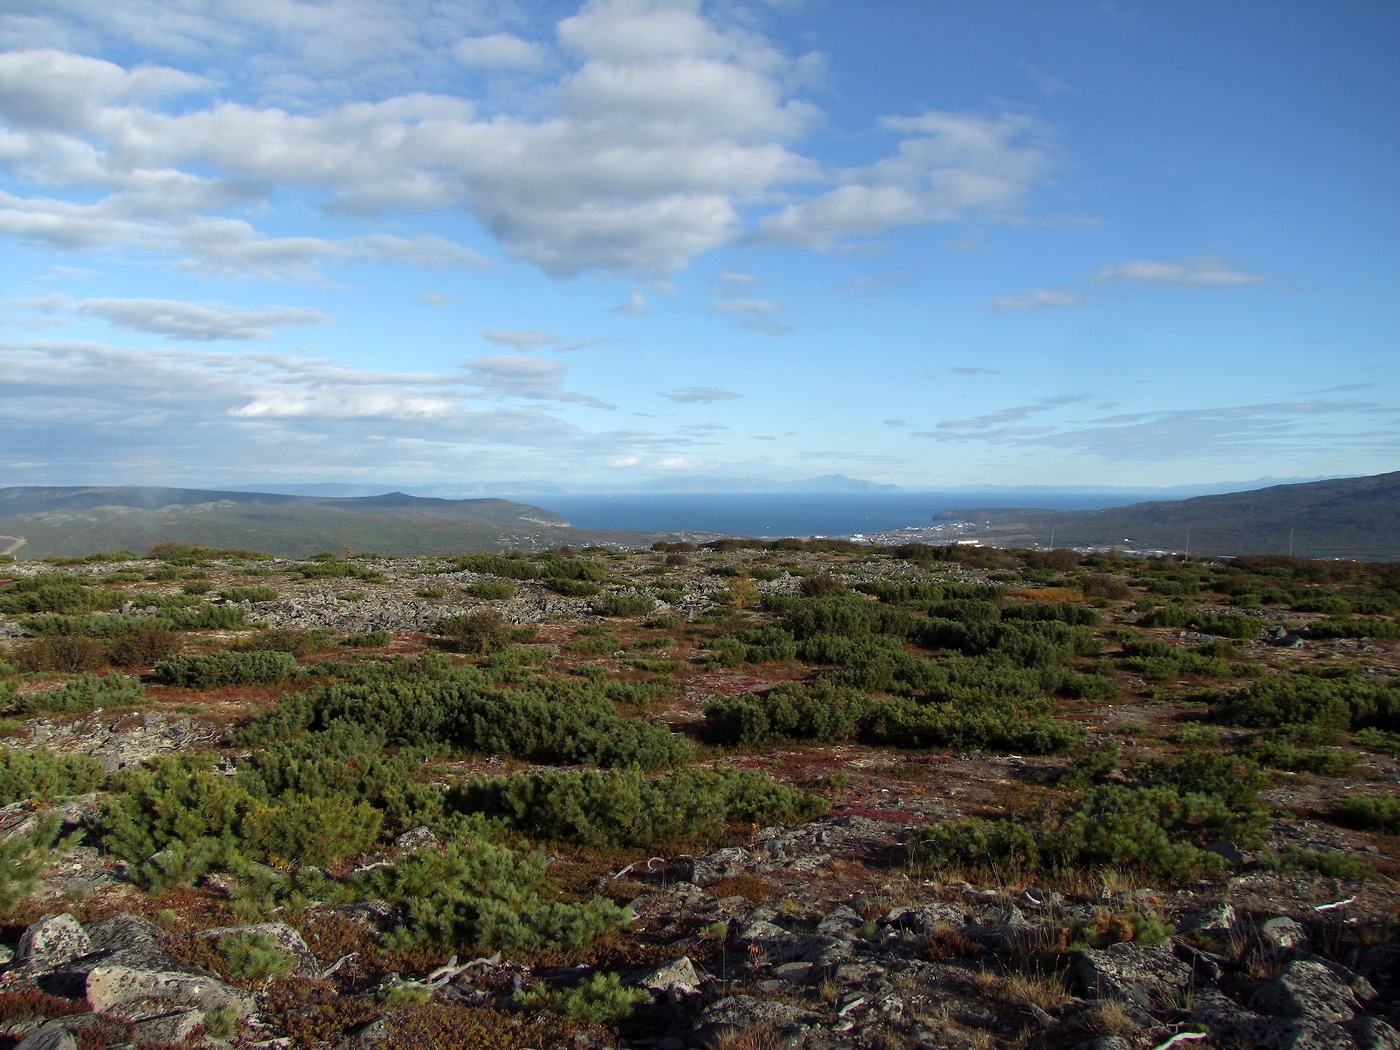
column 777, row 514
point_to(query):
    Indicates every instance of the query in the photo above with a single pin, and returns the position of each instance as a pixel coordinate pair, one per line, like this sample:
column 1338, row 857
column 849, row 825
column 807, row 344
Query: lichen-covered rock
column 50, row 1037
column 678, row 974
column 720, row 865
column 51, row 942
column 1308, row 990
column 130, row 993
column 176, row 1027
column 1137, row 974
column 744, row 1011
column 1283, row 932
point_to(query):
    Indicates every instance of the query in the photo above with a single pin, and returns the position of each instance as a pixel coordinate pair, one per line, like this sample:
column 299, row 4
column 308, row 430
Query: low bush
column 492, row 590
column 368, row 640
column 44, row 775
column 249, row 594
column 297, row 641
column 624, row 808
column 212, row 670
column 479, row 632
column 143, row 647
column 599, row 998
column 621, row 604
column 254, row 957
column 83, row 694
column 65, row 654
column 1372, row 812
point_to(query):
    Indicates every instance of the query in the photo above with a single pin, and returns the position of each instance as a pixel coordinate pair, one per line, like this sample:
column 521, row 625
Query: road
column 16, row 543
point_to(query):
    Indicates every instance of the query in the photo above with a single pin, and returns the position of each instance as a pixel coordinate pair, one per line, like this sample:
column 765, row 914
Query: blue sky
column 925, row 242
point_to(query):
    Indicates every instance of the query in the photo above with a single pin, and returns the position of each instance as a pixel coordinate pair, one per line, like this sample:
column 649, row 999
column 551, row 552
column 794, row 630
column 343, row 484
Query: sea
column 778, row 514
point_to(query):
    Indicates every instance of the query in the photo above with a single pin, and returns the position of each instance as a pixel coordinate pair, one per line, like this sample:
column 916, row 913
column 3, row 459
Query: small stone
column 1283, row 932
column 416, row 838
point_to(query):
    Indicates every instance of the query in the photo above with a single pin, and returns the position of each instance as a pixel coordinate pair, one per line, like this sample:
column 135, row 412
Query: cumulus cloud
column 947, row 166
column 1196, row 271
column 1040, row 299
column 699, row 395
column 666, row 132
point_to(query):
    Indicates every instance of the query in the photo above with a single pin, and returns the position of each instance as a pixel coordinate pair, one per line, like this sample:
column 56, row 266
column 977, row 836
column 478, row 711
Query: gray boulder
column 1307, row 990
column 741, row 1012
column 51, row 942
column 1132, row 973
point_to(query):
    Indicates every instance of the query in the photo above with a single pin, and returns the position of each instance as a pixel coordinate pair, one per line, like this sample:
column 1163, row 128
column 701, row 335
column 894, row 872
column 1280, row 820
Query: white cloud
column 198, row 321
column 533, row 378
column 659, row 142
column 1195, row 271
column 432, row 298
column 92, row 411
column 746, row 306
column 949, row 165
column 699, row 395
column 634, row 306
column 1040, row 299
column 499, row 51
column 519, row 340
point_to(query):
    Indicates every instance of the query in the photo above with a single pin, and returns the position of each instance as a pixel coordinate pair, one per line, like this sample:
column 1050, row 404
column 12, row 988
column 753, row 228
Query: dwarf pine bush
column 212, row 670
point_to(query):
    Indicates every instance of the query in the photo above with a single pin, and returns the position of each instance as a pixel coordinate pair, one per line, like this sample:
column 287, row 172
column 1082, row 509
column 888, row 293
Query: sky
column 933, row 243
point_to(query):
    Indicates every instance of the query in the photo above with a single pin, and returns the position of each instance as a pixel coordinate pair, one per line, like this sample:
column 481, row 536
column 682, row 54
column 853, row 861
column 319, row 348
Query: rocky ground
column 823, row 935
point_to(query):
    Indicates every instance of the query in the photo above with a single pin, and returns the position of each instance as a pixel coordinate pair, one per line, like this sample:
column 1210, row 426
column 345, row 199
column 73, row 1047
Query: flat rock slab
column 744, row 1011
column 1132, row 973
column 1305, row 990
column 129, row 993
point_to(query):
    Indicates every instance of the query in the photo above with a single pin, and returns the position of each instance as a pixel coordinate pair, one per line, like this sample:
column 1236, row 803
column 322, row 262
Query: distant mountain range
column 701, row 483
column 74, row 521
column 1337, row 518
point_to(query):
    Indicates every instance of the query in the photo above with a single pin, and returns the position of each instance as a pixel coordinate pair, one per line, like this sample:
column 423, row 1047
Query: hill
column 1338, row 518
column 75, row 521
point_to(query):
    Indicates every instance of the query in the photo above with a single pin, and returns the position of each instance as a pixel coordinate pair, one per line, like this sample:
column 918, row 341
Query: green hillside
column 1340, row 518
column 71, row 522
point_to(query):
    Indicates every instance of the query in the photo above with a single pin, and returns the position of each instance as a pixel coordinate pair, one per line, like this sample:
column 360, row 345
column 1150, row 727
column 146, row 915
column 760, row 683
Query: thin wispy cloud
column 700, row 395
column 1196, row 271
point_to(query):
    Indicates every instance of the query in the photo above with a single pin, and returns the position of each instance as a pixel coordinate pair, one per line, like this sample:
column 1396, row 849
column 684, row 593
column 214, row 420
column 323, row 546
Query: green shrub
column 473, row 892
column 254, row 957
column 571, row 588
column 480, row 631
column 44, row 775
column 492, row 590
column 620, row 604
column 1325, row 862
column 599, row 999
column 84, row 694
column 56, row 592
column 212, row 670
column 23, row 859
column 297, row 641
column 334, row 568
column 319, row 830
column 249, row 594
column 623, row 808
column 368, row 640
column 1372, row 812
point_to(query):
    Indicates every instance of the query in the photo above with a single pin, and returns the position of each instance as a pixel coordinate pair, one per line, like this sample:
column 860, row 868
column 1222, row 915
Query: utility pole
column 1188, row 541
